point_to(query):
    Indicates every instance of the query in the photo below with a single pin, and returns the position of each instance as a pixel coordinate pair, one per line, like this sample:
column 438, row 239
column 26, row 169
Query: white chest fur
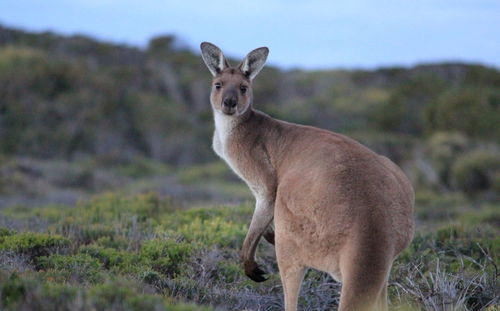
column 224, row 125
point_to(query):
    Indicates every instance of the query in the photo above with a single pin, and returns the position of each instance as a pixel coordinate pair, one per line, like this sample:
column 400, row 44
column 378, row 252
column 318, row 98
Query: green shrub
column 12, row 290
column 4, row 232
column 434, row 207
column 85, row 233
column 116, row 242
column 20, row 292
column 150, row 277
column 114, row 219
column 187, row 307
column 476, row 172
column 50, row 213
column 111, row 206
column 229, row 272
column 443, row 149
column 80, row 268
column 471, row 242
column 143, row 167
column 488, row 214
column 454, row 243
column 397, row 147
column 473, row 111
column 35, row 127
column 404, row 111
column 232, row 214
column 34, row 244
column 107, row 256
column 31, row 293
column 56, row 296
column 166, row 256
column 112, row 259
column 206, row 172
column 212, row 231
column 123, row 295
column 224, row 226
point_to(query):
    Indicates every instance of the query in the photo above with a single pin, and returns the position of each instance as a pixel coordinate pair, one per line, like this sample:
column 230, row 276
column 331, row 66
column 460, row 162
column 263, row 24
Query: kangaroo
column 337, row 206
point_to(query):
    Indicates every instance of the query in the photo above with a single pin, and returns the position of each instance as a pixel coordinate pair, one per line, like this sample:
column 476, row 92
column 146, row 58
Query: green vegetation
column 443, row 149
column 33, row 244
column 478, row 171
column 472, row 111
column 79, row 116
column 32, row 293
column 146, row 252
column 64, row 97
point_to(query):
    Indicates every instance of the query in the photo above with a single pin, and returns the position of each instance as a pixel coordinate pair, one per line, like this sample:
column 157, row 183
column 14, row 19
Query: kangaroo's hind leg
column 364, row 281
column 292, row 275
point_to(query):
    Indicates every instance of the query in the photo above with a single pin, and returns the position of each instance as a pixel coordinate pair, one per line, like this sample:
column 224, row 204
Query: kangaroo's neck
column 229, row 126
column 225, row 125
column 236, row 138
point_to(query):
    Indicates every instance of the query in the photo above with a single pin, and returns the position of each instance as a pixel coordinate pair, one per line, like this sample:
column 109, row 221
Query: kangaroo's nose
column 230, row 102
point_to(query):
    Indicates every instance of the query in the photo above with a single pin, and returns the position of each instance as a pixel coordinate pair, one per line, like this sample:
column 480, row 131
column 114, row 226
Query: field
column 144, row 251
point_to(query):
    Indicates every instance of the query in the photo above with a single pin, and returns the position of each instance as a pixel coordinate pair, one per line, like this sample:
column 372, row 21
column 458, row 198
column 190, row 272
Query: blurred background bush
column 79, row 115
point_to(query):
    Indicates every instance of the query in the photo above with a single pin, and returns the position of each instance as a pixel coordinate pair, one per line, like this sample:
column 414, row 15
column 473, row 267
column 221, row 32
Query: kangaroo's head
column 232, row 86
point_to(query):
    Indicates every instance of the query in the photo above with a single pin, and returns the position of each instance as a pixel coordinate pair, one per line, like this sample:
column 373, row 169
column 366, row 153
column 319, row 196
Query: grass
column 145, row 252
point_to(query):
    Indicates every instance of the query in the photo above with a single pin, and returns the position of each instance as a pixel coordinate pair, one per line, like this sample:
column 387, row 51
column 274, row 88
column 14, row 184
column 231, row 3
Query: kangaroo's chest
column 235, row 159
column 224, row 130
column 219, row 144
column 239, row 162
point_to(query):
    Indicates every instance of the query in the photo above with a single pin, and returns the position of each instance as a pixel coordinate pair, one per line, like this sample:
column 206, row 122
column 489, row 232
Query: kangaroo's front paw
column 254, row 272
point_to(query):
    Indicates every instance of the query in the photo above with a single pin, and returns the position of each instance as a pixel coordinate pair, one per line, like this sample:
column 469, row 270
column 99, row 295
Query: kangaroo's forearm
column 262, row 218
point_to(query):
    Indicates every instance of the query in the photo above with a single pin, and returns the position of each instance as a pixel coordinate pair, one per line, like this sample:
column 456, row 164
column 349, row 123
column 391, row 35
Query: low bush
column 121, row 296
column 476, row 172
column 206, row 172
column 79, row 268
column 4, row 232
column 34, row 244
column 32, row 293
column 117, row 260
column 142, row 167
column 115, row 220
column 113, row 206
column 116, row 242
column 85, row 233
column 229, row 272
column 435, row 207
column 397, row 147
column 403, row 110
column 108, row 257
column 470, row 110
column 488, row 214
column 452, row 243
column 214, row 231
column 166, row 256
column 234, row 214
column 443, row 149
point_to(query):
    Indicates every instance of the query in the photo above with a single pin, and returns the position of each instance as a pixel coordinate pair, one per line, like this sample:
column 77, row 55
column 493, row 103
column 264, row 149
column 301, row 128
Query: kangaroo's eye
column 243, row 89
column 218, row 85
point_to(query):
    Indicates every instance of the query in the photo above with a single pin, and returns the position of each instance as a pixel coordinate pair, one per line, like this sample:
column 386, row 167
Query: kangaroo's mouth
column 228, row 110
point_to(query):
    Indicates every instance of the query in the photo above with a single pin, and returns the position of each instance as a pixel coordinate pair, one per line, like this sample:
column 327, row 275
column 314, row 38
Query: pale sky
column 316, row 34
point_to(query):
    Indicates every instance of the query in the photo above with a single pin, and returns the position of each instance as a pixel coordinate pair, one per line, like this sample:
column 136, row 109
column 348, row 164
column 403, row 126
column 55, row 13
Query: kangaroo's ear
column 213, row 58
column 253, row 62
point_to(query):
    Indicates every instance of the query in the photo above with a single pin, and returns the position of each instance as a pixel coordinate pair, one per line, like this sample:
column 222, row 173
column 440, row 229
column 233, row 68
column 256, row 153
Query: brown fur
column 337, row 206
